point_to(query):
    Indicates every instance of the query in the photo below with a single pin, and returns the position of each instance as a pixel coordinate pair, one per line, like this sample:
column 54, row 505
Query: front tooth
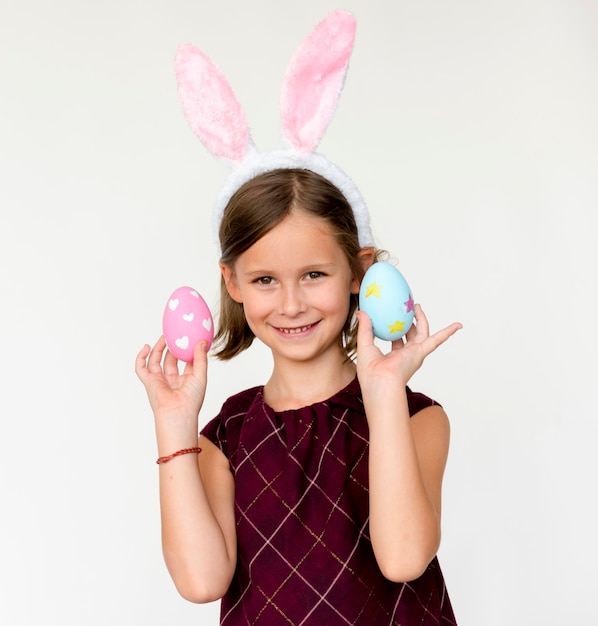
column 292, row 331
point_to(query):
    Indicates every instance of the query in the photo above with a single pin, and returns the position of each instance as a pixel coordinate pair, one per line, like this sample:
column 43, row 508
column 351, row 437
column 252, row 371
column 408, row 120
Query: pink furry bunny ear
column 211, row 108
column 311, row 89
column 314, row 80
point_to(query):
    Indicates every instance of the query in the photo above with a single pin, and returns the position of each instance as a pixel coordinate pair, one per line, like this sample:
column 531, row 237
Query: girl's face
column 294, row 284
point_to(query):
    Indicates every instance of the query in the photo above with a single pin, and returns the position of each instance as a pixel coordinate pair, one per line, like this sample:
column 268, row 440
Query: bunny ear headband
column 310, row 92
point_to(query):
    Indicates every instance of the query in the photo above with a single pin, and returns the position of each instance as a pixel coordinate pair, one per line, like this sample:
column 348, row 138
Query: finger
column 421, row 327
column 199, row 366
column 365, row 332
column 412, row 332
column 171, row 367
column 154, row 362
column 398, row 344
column 438, row 338
column 141, row 361
column 198, row 350
column 449, row 331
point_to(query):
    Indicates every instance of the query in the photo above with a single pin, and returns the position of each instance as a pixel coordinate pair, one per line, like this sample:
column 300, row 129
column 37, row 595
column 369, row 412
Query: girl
column 315, row 498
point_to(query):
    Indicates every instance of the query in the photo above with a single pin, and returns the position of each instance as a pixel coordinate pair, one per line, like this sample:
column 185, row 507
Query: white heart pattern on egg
column 194, row 293
column 207, row 323
column 172, row 304
column 188, row 317
column 182, row 342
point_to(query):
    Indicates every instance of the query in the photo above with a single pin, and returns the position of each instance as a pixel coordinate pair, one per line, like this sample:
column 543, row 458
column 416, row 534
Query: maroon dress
column 301, row 507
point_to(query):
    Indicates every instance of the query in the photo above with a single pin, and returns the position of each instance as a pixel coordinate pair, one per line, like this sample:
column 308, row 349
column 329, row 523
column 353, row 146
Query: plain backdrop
column 470, row 128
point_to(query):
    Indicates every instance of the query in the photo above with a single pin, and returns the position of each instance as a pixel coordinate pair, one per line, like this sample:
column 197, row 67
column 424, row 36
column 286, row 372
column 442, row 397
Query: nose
column 292, row 301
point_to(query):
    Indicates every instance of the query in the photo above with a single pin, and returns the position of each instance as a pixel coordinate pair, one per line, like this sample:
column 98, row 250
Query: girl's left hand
column 406, row 356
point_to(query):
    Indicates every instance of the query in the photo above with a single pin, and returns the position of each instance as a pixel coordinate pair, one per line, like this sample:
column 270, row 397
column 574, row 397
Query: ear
column 367, row 257
column 314, row 80
column 230, row 282
column 211, row 108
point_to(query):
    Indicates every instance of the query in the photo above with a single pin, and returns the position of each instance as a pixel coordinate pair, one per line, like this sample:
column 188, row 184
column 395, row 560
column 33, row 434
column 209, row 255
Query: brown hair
column 256, row 208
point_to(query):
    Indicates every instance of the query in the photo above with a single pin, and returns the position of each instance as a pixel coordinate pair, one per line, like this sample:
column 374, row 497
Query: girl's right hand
column 171, row 393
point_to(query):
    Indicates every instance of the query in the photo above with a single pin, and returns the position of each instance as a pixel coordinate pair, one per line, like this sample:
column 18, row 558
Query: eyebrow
column 311, row 267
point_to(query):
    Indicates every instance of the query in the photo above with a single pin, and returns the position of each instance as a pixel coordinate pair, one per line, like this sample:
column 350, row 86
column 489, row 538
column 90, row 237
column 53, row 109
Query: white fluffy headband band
column 311, row 89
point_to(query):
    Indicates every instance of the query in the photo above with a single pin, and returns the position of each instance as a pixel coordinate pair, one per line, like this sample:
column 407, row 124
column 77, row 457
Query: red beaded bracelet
column 164, row 459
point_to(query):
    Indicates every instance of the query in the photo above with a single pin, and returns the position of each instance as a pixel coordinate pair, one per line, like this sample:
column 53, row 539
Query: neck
column 295, row 385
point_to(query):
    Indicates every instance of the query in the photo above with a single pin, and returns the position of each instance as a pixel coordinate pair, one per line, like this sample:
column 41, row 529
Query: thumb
column 200, row 360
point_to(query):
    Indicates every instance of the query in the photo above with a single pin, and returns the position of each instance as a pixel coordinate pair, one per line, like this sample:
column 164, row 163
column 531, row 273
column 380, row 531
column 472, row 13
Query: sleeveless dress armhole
column 418, row 401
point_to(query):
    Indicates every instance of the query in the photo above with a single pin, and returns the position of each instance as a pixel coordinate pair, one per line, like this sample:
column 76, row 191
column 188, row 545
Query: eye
column 314, row 275
column 264, row 280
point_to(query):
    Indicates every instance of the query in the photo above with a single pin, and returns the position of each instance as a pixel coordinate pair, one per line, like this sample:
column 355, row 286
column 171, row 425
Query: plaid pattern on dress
column 301, row 501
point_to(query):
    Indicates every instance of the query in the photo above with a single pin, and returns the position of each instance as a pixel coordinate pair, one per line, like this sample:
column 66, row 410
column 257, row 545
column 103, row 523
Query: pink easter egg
column 186, row 321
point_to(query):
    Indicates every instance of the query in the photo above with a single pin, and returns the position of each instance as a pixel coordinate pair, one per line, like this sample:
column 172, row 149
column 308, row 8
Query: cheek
column 254, row 307
column 250, row 317
column 336, row 301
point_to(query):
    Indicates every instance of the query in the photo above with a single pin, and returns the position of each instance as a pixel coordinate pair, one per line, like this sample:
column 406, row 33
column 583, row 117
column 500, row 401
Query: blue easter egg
column 385, row 296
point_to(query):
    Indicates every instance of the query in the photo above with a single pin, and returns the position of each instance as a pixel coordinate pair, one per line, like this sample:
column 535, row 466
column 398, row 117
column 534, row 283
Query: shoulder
column 220, row 429
column 418, row 401
column 240, row 403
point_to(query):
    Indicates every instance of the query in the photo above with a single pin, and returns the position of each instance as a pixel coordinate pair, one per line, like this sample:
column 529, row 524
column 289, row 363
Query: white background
column 470, row 128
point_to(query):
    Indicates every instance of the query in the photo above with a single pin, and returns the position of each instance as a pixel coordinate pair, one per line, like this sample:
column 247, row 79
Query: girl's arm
column 407, row 455
column 196, row 492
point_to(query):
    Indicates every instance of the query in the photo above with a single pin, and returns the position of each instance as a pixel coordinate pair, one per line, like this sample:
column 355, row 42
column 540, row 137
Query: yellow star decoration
column 373, row 290
column 397, row 327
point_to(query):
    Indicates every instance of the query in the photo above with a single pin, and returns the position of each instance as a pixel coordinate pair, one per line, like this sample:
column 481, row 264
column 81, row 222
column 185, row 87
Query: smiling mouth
column 295, row 331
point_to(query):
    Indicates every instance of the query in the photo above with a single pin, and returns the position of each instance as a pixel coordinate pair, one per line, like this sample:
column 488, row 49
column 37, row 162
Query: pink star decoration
column 409, row 304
